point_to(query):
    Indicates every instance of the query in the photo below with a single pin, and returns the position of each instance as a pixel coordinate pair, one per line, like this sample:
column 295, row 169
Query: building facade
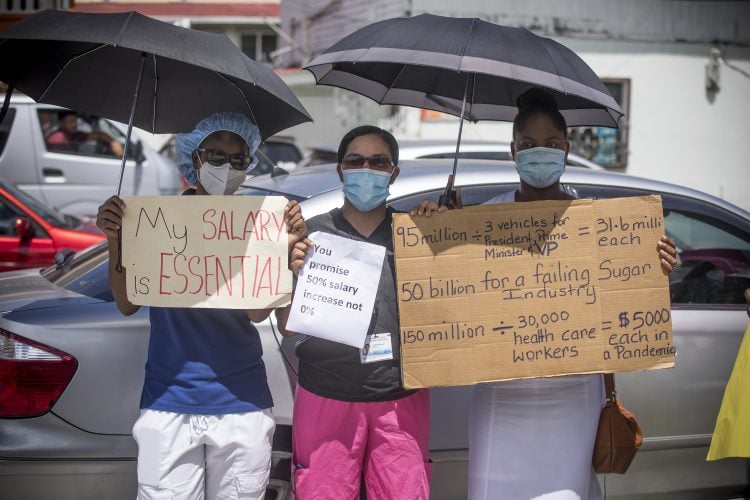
column 680, row 70
column 251, row 24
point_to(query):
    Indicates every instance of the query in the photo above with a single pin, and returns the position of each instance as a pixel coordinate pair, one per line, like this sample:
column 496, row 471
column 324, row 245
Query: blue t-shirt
column 204, row 361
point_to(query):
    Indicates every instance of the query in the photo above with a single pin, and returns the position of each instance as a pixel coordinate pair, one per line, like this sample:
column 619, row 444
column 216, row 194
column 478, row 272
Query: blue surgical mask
column 365, row 188
column 540, row 167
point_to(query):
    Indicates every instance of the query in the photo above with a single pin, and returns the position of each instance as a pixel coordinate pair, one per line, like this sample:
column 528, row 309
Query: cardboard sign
column 227, row 252
column 336, row 289
column 519, row 290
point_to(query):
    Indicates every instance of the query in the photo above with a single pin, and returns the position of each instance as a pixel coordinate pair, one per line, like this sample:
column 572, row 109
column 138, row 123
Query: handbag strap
column 609, row 387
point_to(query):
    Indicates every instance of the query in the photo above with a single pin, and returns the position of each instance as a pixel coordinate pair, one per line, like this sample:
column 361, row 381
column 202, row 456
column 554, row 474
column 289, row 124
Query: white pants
column 197, row 457
column 534, row 438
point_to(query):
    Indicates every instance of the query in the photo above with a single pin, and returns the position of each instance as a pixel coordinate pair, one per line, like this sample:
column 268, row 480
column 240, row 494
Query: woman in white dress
column 534, row 438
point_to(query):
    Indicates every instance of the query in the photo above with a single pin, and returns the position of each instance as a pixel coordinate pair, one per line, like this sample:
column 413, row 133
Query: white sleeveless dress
column 534, row 438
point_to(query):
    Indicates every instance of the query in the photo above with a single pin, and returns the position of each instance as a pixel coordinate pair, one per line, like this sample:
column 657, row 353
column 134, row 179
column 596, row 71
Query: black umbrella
column 465, row 67
column 144, row 72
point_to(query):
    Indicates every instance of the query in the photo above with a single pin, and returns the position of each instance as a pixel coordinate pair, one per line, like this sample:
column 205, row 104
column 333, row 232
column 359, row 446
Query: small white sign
column 336, row 289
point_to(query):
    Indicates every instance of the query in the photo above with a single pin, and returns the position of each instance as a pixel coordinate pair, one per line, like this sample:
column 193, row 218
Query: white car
column 472, row 150
column 443, row 149
column 77, row 179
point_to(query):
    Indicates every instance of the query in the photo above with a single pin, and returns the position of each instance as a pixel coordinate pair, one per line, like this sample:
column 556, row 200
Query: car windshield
column 39, row 208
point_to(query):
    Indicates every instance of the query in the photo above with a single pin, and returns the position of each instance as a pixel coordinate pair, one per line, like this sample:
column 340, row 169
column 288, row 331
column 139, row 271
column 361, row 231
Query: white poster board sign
column 226, row 252
column 336, row 289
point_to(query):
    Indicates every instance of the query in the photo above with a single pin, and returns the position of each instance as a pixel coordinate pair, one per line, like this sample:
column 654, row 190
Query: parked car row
column 72, row 365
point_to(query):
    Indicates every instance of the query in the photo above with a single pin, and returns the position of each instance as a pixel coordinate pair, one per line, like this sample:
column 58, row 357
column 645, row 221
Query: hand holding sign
column 533, row 289
column 335, row 292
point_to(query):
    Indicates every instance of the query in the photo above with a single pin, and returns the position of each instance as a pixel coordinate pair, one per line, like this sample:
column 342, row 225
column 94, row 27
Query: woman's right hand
column 298, row 255
column 109, row 217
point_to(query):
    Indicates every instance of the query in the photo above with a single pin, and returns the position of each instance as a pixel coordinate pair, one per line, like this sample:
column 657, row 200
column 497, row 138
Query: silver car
column 71, row 367
column 76, row 180
column 473, row 150
column 443, row 149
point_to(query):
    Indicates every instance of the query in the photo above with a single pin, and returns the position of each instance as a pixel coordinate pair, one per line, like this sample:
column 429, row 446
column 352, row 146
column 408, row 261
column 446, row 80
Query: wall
column 678, row 131
column 334, row 110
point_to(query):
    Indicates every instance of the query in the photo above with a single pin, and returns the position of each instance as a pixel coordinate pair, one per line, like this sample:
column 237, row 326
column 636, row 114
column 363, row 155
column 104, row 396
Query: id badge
column 377, row 348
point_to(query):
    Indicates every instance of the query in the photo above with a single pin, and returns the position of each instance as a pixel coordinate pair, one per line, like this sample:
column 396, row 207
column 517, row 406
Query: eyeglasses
column 377, row 162
column 218, row 157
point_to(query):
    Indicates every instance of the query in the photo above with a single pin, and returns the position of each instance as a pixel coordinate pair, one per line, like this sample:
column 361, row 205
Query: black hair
column 367, row 130
column 62, row 114
column 537, row 101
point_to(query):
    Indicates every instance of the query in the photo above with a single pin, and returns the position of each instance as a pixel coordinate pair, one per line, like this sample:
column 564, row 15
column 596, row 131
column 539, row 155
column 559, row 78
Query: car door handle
column 53, row 175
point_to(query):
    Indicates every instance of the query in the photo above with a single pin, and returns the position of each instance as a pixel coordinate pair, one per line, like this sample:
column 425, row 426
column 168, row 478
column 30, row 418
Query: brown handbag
column 618, row 437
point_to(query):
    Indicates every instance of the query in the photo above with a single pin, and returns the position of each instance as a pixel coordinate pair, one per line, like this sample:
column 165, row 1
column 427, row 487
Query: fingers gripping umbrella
column 465, row 67
column 144, row 72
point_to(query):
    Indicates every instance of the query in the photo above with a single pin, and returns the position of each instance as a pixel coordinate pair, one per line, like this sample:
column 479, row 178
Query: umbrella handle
column 450, row 198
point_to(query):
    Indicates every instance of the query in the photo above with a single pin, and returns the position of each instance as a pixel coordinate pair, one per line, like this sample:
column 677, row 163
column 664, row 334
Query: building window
column 258, row 46
column 605, row 146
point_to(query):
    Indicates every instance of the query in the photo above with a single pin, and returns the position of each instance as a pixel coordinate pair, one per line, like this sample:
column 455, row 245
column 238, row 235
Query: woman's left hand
column 667, row 254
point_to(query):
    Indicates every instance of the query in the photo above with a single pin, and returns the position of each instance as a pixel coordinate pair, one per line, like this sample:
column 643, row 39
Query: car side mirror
column 24, row 229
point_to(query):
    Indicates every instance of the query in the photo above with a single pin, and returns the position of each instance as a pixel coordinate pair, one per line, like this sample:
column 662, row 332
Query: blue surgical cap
column 237, row 123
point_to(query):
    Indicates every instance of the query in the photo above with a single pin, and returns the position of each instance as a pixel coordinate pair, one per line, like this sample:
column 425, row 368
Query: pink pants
column 336, row 442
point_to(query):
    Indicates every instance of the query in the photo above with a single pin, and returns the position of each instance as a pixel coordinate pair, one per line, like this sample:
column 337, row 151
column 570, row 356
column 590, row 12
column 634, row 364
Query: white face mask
column 222, row 179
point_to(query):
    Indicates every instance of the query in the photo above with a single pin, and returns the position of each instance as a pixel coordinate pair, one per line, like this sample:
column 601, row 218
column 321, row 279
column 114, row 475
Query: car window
column 471, row 155
column 5, row 127
column 714, row 260
column 10, row 212
column 90, row 136
column 281, row 152
column 264, row 165
column 713, row 246
column 46, row 213
column 8, row 218
column 470, row 195
column 486, row 155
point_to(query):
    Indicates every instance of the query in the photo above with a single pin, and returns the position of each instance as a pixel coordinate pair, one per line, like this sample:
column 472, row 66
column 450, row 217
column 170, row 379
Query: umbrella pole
column 448, row 198
column 118, row 267
column 130, row 122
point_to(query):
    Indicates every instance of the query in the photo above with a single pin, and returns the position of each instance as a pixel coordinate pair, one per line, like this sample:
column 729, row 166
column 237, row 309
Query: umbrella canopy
column 439, row 63
column 95, row 62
